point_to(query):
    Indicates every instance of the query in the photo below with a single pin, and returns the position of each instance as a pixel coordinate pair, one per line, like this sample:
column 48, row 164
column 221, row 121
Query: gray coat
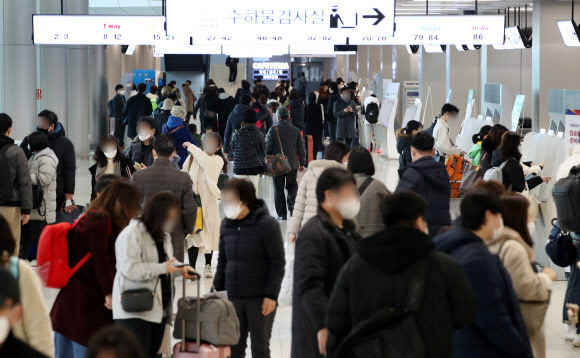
column 161, row 176
column 20, row 175
column 369, row 220
column 345, row 122
column 43, row 172
column 292, row 142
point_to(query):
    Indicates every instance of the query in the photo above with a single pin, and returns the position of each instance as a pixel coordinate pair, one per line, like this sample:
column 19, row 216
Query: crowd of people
column 375, row 273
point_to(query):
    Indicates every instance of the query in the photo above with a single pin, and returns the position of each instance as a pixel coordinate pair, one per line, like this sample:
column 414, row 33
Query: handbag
column 69, row 213
column 199, row 217
column 560, row 247
column 260, row 158
column 471, row 174
column 534, row 314
column 278, row 164
column 138, row 300
column 534, row 205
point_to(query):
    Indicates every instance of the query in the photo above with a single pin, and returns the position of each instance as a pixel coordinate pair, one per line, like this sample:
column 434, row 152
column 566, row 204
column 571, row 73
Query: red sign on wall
column 39, row 94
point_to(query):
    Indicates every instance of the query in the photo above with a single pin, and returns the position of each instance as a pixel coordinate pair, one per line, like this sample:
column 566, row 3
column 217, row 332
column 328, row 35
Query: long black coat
column 251, row 256
column 137, row 106
column 66, row 169
column 429, row 179
column 498, row 330
column 313, row 124
column 330, row 107
column 225, row 108
column 321, row 251
column 390, row 257
column 297, row 112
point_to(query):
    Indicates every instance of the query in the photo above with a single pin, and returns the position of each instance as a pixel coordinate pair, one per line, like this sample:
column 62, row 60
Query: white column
column 98, row 94
column 52, row 61
column 536, row 27
column 18, row 65
column 483, row 77
column 78, row 73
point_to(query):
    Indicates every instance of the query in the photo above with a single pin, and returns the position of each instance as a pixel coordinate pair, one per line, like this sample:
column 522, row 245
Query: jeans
column 120, row 131
column 332, row 131
column 573, row 289
column 254, row 323
column 288, row 181
column 348, row 141
column 148, row 334
column 67, row 348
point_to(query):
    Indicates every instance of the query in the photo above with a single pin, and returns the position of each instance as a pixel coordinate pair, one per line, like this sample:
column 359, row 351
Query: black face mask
column 42, row 130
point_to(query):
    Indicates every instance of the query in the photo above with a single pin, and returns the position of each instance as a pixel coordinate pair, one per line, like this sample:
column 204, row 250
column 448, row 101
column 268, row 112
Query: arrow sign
column 379, row 16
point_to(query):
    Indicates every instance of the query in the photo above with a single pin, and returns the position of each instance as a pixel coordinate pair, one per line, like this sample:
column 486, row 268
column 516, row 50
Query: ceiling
column 403, row 7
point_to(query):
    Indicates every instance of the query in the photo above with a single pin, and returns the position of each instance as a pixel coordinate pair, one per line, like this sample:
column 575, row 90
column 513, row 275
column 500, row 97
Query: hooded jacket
column 234, row 122
column 65, row 152
column 251, row 256
column 391, row 257
column 499, row 329
column 180, row 134
column 43, row 172
column 19, row 174
column 429, row 179
column 161, row 119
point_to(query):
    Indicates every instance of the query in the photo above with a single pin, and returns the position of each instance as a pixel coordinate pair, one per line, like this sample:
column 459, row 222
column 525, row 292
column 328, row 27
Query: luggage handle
column 198, row 322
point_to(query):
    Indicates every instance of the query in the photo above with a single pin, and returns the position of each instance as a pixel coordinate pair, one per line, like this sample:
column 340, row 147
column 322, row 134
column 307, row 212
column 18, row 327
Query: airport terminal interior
column 284, row 146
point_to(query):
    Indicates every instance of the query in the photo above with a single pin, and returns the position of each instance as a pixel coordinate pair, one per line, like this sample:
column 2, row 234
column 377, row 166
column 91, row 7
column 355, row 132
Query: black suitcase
column 566, row 193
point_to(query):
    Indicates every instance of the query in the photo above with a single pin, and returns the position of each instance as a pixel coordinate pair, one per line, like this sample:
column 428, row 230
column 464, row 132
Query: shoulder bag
column 278, row 164
column 260, row 158
column 138, row 300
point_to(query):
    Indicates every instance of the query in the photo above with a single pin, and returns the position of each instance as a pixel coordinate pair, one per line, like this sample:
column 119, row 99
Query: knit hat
column 167, row 105
column 178, row 111
column 250, row 116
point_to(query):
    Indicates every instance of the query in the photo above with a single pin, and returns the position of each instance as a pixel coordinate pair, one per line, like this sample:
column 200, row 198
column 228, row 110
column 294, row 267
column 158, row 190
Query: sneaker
column 207, row 272
column 281, row 218
column 576, row 341
column 570, row 332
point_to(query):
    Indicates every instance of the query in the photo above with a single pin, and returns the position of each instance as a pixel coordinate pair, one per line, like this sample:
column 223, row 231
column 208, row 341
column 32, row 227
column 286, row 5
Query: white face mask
column 349, row 209
column 4, row 329
column 531, row 227
column 233, row 211
column 497, row 232
column 168, row 227
column 122, row 92
column 144, row 136
column 110, row 155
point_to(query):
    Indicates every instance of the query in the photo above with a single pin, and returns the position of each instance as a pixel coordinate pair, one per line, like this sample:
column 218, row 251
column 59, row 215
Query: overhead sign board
column 271, row 22
column 98, row 30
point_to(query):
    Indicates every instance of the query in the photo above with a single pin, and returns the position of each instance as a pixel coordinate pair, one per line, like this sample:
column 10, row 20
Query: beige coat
column 34, row 326
column 204, row 171
column 517, row 257
column 306, row 205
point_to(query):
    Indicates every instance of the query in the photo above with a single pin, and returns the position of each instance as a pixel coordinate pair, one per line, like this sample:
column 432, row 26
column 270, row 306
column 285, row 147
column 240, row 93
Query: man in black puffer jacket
column 429, row 179
column 249, row 148
column 393, row 257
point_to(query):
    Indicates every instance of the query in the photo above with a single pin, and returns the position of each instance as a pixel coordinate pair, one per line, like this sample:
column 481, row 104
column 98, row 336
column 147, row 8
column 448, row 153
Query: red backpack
column 52, row 256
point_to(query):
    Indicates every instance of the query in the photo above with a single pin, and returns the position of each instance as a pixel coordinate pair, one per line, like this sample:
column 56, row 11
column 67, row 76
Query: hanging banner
column 572, row 133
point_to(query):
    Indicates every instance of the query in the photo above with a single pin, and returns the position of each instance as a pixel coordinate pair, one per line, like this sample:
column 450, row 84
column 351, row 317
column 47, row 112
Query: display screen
column 97, row 30
column 514, row 37
column 279, row 22
column 568, row 31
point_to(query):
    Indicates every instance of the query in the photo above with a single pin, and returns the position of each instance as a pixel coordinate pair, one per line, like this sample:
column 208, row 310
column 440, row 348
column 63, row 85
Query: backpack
column 566, row 193
column 111, row 109
column 495, row 173
column 53, row 254
column 560, row 247
column 6, row 181
column 454, row 166
column 372, row 113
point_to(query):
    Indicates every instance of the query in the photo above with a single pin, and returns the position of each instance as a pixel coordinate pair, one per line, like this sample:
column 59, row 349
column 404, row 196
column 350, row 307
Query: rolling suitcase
column 185, row 349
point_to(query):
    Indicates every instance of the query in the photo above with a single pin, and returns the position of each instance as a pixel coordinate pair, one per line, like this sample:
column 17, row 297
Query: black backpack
column 111, row 109
column 228, row 61
column 372, row 113
column 6, row 182
column 566, row 193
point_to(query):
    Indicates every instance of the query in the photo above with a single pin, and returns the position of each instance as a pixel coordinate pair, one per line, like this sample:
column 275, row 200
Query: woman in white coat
column 204, row 168
column 145, row 261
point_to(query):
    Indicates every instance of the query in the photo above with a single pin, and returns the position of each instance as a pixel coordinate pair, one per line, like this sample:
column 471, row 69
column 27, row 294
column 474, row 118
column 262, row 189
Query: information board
column 572, row 133
column 271, row 22
column 98, row 30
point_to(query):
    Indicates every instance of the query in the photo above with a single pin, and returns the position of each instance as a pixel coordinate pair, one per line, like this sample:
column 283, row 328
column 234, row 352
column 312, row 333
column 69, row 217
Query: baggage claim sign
column 277, row 22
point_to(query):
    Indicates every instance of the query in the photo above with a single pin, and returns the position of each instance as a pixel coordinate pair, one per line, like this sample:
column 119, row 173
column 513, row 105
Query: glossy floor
column 557, row 347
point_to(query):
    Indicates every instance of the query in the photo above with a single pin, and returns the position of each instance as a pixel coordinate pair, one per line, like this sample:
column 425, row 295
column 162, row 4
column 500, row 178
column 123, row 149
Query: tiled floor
column 557, row 347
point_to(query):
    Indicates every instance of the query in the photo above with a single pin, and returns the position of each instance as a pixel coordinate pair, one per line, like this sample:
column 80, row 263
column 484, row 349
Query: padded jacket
column 292, row 142
column 19, row 174
column 429, row 179
column 249, row 150
column 234, row 123
column 43, row 172
column 306, row 205
column 498, row 329
column 251, row 256
column 138, row 153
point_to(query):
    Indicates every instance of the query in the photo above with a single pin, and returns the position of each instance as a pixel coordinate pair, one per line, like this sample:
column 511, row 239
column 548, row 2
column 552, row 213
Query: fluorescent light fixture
column 569, row 32
column 434, row 48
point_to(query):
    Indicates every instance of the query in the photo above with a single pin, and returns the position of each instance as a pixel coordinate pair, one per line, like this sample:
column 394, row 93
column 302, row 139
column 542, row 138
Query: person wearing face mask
column 109, row 159
column 400, row 257
column 428, row 178
column 204, row 168
column 84, row 305
column 119, row 102
column 10, row 313
column 443, row 144
column 324, row 245
column 515, row 250
column 250, row 265
column 140, row 151
column 145, row 260
column 345, row 113
column 404, row 136
column 330, row 118
column 499, row 329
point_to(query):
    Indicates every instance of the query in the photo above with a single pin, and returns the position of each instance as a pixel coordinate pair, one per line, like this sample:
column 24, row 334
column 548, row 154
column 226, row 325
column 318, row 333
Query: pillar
column 52, row 65
column 98, row 94
column 483, row 75
column 78, row 72
column 536, row 26
column 18, row 65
